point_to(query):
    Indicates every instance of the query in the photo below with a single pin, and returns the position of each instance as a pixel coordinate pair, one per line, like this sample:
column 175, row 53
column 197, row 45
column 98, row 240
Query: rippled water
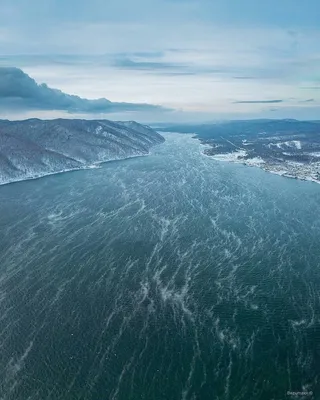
column 172, row 276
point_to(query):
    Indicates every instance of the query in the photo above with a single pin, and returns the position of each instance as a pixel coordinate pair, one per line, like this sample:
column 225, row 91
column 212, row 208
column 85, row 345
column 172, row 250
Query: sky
column 160, row 60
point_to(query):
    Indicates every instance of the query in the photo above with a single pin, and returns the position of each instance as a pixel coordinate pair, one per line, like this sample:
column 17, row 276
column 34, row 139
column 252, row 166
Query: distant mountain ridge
column 34, row 148
column 252, row 126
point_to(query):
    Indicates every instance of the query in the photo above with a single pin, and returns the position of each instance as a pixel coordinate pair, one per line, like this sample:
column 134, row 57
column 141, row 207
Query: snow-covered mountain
column 34, row 148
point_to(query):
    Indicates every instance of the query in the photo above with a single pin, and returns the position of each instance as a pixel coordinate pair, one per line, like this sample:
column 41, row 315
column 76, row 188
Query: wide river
column 166, row 277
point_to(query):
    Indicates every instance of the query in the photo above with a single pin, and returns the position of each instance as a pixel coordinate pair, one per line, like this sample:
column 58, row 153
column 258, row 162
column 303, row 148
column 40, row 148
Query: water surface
column 172, row 276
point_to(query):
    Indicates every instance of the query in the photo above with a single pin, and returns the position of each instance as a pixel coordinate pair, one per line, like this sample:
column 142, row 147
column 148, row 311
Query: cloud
column 311, row 87
column 171, row 68
column 150, row 54
column 18, row 91
column 181, row 54
column 244, row 77
column 127, row 63
column 257, row 101
column 307, row 101
column 160, row 67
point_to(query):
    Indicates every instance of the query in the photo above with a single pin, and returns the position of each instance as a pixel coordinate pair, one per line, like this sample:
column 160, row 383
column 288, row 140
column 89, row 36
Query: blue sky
column 161, row 60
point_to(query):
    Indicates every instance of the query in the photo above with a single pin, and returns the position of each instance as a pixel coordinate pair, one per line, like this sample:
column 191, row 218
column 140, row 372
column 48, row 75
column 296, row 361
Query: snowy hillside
column 34, row 148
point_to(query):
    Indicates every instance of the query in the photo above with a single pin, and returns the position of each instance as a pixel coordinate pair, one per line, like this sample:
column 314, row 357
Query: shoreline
column 260, row 165
column 95, row 165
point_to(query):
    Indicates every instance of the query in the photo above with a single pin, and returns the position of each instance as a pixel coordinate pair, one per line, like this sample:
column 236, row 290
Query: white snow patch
column 255, row 161
column 235, row 156
column 291, row 143
column 297, row 143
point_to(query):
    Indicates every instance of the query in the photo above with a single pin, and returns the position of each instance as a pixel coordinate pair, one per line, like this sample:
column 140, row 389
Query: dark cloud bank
column 18, row 91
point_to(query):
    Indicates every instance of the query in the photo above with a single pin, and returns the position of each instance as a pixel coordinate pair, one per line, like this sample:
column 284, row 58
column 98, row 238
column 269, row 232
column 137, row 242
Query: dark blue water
column 171, row 276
